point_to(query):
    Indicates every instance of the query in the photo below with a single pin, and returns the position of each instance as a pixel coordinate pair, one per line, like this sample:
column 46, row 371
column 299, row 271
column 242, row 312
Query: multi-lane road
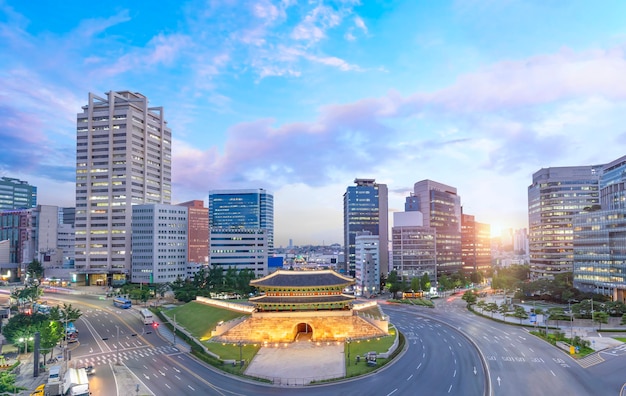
column 449, row 352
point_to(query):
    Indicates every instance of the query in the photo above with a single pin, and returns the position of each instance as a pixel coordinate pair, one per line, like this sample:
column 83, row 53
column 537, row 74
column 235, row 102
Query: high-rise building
column 599, row 240
column 520, row 241
column 413, row 247
column 241, row 229
column 16, row 227
column 197, row 232
column 475, row 245
column 365, row 208
column 441, row 207
column 159, row 243
column 123, row 158
column 554, row 198
column 367, row 264
column 16, row 194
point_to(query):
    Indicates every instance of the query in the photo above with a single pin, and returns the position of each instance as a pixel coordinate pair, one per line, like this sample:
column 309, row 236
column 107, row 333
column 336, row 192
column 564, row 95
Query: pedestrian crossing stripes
column 124, row 354
column 590, row 360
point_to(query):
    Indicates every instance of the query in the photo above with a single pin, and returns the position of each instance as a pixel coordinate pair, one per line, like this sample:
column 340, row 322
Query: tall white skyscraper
column 123, row 158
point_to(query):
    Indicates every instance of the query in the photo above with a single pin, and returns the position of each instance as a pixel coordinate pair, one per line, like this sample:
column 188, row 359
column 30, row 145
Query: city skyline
column 302, row 98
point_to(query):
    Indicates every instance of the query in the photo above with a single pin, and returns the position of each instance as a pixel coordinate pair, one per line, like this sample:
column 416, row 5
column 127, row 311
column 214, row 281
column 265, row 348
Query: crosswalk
column 590, row 360
column 124, row 355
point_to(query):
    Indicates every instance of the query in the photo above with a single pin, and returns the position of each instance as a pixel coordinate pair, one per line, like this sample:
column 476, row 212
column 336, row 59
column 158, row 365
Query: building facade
column 197, row 232
column 123, row 158
column 600, row 237
column 367, row 264
column 365, row 208
column 159, row 243
column 554, row 198
column 413, row 247
column 441, row 207
column 240, row 249
column 16, row 194
column 241, row 229
column 475, row 245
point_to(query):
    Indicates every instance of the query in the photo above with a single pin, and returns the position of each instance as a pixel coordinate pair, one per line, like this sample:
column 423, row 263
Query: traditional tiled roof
column 301, row 299
column 283, row 278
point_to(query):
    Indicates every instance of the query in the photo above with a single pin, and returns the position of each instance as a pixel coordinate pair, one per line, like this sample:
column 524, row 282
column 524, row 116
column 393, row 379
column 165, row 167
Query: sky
column 302, row 97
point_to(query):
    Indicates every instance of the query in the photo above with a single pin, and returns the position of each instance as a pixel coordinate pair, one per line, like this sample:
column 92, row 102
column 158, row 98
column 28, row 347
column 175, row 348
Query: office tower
column 15, row 227
column 413, row 247
column 475, row 245
column 600, row 237
column 554, row 197
column 159, row 243
column 16, row 194
column 67, row 216
column 241, row 229
column 520, row 241
column 197, row 232
column 441, row 207
column 365, row 209
column 123, row 158
column 367, row 264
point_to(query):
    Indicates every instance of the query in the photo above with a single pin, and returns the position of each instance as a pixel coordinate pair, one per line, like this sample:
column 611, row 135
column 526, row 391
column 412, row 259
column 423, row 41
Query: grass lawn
column 622, row 339
column 361, row 348
column 200, row 319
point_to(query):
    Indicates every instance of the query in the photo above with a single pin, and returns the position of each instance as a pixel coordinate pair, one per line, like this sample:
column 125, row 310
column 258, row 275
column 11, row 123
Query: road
column 441, row 358
column 164, row 370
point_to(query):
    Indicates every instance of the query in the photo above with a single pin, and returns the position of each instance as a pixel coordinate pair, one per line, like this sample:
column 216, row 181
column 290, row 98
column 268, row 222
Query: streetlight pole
column 348, row 342
column 175, row 330
column 240, row 353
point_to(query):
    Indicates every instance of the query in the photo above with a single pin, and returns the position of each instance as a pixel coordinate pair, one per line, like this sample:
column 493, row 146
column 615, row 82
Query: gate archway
column 304, row 331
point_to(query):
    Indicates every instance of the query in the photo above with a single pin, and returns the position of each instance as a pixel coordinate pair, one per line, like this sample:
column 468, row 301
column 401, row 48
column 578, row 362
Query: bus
column 122, row 302
column 147, row 317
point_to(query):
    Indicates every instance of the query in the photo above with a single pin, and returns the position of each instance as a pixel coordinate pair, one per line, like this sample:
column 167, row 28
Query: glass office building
column 241, row 229
column 17, row 194
column 365, row 209
column 554, row 198
column 600, row 237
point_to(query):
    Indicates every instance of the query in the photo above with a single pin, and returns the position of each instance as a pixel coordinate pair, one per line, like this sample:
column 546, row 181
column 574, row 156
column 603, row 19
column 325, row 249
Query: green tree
column 504, row 310
column 469, row 297
column 394, row 288
column 623, row 319
column 7, row 384
column 35, row 270
column 476, row 277
column 556, row 313
column 160, row 289
column 520, row 313
column 445, row 283
column 23, row 327
column 416, row 284
column 600, row 317
column 426, row 282
column 492, row 307
column 481, row 304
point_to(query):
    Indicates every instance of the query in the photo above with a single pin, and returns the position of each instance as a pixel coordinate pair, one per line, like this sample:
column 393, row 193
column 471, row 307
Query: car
column 90, row 370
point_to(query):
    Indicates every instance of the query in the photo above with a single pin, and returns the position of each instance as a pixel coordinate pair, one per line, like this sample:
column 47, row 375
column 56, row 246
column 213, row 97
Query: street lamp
column 348, row 342
column 240, row 344
column 25, row 341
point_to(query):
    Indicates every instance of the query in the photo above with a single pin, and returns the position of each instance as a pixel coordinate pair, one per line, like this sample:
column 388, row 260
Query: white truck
column 76, row 382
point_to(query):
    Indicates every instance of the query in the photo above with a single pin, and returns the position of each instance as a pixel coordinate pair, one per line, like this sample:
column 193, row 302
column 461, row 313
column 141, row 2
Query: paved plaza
column 299, row 363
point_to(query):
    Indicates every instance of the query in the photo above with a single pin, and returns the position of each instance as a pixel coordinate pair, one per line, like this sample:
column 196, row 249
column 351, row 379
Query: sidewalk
column 583, row 328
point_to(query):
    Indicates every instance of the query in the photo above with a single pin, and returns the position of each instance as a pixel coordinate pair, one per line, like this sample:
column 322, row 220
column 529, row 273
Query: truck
column 76, row 382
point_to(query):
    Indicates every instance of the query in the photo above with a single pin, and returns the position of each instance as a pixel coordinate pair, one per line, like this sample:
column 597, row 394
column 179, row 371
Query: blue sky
column 302, row 97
